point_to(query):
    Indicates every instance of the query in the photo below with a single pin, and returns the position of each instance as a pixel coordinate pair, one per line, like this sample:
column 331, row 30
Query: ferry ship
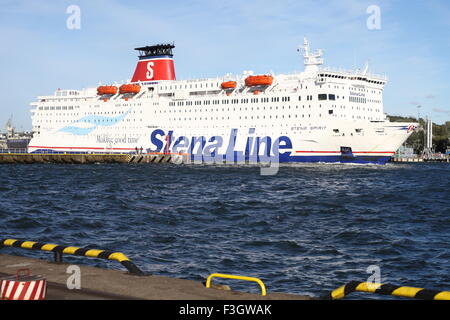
column 318, row 115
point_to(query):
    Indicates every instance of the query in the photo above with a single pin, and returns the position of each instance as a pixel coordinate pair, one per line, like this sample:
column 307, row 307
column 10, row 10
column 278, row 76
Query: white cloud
column 440, row 110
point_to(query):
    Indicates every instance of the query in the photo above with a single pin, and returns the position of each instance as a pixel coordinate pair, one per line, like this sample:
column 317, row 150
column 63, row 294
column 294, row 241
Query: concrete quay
column 417, row 159
column 83, row 158
column 105, row 284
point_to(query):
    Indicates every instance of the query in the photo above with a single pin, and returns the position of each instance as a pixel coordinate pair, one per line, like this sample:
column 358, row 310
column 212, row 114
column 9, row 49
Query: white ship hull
column 374, row 143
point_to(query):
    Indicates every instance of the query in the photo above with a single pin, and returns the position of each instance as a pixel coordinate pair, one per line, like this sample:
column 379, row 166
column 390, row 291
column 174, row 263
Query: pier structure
column 429, row 158
column 86, row 158
column 21, row 156
column 106, row 284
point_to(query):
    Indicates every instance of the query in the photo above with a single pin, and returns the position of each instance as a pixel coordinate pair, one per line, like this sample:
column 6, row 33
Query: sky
column 39, row 53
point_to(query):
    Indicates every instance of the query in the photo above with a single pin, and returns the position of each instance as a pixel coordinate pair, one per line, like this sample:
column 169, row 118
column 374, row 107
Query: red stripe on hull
column 340, row 152
column 80, row 148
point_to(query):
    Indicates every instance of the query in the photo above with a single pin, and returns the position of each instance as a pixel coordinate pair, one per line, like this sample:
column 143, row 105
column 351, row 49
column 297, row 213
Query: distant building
column 14, row 140
column 405, row 152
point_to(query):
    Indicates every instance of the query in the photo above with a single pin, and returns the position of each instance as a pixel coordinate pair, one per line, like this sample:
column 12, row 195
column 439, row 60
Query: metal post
column 58, row 256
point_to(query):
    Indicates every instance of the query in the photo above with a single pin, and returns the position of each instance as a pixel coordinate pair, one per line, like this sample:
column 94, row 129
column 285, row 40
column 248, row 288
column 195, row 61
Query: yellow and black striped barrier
column 87, row 252
column 387, row 289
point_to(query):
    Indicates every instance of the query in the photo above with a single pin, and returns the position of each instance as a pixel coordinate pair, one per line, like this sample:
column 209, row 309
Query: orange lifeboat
column 228, row 85
column 261, row 80
column 129, row 88
column 106, row 90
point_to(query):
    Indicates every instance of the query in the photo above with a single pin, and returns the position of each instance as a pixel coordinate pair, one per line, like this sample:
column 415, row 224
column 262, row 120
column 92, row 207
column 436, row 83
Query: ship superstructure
column 318, row 115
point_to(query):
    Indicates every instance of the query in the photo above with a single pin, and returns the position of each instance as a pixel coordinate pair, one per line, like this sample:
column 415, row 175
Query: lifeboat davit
column 260, row 80
column 129, row 88
column 228, row 85
column 106, row 90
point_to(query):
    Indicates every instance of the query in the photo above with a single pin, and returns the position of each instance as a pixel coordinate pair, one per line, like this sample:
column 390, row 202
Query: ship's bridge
column 334, row 75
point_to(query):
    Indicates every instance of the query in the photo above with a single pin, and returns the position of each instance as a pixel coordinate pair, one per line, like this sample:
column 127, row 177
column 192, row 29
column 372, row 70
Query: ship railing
column 354, row 73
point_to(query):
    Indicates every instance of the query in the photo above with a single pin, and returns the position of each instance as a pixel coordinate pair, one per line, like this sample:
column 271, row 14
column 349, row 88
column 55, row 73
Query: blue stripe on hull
column 289, row 158
column 334, row 159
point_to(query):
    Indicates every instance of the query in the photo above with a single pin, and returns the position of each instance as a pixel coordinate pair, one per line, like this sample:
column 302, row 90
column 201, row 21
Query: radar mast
column 312, row 60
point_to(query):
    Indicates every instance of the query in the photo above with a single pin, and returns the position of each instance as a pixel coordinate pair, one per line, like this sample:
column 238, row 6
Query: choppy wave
column 306, row 230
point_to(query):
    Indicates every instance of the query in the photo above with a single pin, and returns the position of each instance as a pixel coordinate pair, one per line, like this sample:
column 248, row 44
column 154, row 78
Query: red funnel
column 155, row 63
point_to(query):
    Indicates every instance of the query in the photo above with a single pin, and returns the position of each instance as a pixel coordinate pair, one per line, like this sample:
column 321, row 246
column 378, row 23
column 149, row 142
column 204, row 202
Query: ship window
column 330, row 111
column 331, row 97
column 322, row 97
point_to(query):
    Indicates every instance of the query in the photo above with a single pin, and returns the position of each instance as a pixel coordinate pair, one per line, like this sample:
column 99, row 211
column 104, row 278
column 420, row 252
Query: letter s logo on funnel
column 150, row 70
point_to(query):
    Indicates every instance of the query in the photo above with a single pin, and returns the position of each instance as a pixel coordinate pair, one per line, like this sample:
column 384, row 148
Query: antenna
column 366, row 67
column 354, row 59
column 305, row 46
